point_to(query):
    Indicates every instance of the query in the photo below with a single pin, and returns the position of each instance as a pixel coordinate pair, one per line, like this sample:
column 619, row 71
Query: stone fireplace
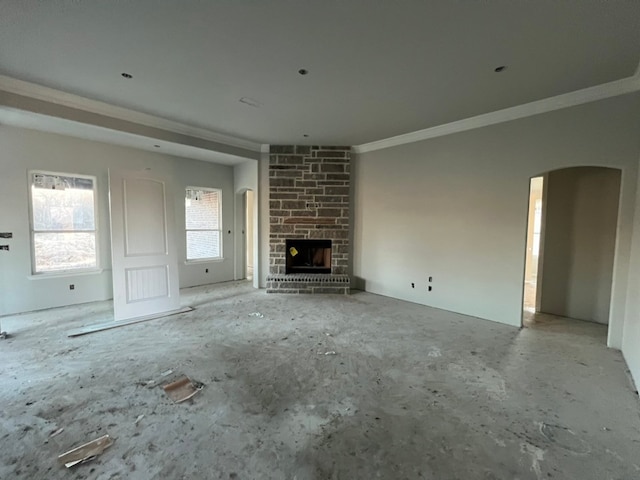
column 309, row 211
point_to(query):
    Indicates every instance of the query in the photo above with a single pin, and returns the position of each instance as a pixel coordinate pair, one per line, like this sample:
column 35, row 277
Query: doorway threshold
column 121, row 323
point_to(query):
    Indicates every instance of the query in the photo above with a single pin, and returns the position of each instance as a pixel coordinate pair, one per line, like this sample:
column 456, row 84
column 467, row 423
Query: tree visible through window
column 63, row 225
column 203, row 224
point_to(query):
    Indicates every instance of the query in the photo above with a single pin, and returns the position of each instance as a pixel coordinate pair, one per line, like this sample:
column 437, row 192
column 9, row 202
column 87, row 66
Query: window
column 63, row 222
column 203, row 223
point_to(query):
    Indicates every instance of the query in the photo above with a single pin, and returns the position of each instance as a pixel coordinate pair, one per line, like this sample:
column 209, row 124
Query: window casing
column 63, row 223
column 203, row 221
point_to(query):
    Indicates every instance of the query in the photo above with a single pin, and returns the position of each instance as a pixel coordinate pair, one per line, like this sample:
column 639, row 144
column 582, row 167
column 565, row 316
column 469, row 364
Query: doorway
column 249, row 231
column 534, row 228
column 571, row 242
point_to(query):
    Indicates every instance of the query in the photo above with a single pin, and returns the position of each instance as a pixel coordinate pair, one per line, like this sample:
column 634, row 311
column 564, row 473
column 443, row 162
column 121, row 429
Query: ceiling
column 376, row 69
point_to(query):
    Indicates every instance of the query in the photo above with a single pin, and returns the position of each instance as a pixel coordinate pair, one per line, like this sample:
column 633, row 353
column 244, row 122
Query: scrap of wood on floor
column 85, row 452
column 182, row 389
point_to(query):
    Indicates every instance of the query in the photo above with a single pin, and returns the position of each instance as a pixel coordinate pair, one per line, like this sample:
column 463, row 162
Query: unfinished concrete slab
column 411, row 392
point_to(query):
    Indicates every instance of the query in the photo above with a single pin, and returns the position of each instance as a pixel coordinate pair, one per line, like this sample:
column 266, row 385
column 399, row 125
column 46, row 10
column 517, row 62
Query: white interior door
column 144, row 257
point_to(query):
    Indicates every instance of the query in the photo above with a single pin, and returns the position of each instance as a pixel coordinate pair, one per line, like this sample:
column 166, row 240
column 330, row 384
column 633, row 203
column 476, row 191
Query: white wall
column 455, row 207
column 251, row 230
column 631, row 338
column 579, row 244
column 22, row 150
column 263, row 220
column 245, row 178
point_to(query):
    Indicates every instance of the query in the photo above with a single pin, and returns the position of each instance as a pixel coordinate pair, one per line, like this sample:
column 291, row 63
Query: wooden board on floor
column 121, row 323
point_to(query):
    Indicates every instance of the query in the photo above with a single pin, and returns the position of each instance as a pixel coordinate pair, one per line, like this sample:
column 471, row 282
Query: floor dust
column 411, row 392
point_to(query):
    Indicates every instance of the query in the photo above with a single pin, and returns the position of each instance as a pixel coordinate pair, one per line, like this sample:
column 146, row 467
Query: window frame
column 220, row 229
column 33, row 231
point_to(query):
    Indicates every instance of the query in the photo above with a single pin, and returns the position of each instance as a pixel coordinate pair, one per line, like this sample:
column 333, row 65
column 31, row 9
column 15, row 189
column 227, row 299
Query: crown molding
column 40, row 92
column 579, row 97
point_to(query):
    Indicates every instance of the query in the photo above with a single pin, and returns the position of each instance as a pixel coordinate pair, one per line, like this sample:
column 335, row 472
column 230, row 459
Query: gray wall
column 455, row 207
column 579, row 242
column 22, row 150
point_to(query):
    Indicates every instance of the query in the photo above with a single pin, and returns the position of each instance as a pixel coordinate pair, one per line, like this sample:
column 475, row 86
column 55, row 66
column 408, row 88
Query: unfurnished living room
column 320, row 239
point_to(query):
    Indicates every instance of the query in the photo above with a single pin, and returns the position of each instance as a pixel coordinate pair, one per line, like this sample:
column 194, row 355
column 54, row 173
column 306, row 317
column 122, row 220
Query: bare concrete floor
column 412, row 392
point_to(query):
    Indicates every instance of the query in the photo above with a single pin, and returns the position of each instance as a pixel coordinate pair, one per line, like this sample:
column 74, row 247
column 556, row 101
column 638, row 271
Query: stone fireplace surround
column 309, row 199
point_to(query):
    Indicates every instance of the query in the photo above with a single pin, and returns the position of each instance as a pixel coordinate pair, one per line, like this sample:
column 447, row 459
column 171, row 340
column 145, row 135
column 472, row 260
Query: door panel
column 144, row 258
column 145, row 217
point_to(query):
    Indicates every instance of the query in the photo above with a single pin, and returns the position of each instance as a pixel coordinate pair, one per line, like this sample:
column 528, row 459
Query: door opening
column 248, row 238
column 571, row 244
column 534, row 228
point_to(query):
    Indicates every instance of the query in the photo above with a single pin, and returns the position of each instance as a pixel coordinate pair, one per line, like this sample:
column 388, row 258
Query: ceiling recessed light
column 499, row 69
column 303, row 71
column 126, row 75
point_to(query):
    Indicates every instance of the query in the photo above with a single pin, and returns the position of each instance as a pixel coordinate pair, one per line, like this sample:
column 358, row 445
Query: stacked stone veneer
column 309, row 198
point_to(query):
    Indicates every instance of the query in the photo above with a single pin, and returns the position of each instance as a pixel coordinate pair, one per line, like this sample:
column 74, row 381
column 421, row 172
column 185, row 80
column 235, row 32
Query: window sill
column 204, row 260
column 52, row 275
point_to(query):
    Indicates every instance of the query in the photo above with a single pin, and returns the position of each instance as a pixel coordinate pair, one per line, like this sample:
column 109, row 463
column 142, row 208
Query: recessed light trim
column 499, row 69
column 303, row 71
column 126, row 75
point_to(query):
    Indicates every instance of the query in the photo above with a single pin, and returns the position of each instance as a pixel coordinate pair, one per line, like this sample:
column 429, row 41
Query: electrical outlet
column 206, row 270
column 430, row 288
column 72, row 287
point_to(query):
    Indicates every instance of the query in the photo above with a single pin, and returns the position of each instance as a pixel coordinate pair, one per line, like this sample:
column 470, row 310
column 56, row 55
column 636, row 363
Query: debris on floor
column 330, row 353
column 182, row 389
column 86, row 452
column 256, row 314
column 56, row 432
column 140, row 417
column 158, row 380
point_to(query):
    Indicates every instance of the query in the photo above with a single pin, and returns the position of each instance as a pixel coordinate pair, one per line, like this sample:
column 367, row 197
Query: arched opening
column 571, row 240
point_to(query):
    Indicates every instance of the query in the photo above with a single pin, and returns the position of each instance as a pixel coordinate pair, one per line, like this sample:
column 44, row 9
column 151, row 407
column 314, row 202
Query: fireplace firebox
column 308, row 256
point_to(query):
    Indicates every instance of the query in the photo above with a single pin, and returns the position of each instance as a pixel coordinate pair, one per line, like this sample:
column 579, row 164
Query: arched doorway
column 571, row 239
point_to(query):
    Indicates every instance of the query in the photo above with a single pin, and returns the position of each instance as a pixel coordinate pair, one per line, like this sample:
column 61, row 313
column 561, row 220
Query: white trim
column 264, row 148
column 40, row 92
column 579, row 97
column 200, row 261
column 65, row 273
